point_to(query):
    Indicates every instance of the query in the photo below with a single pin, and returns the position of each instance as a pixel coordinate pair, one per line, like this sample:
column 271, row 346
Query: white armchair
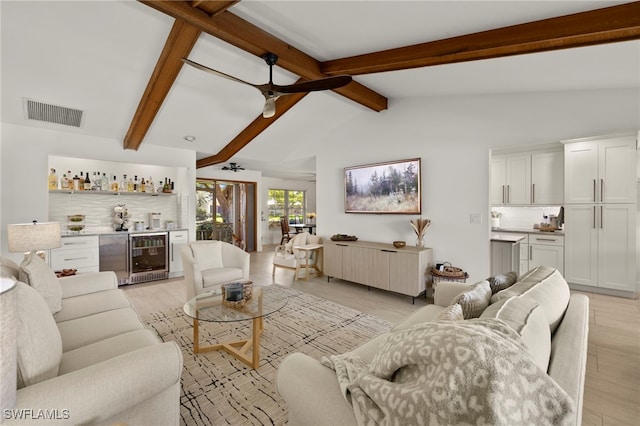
column 211, row 263
column 286, row 256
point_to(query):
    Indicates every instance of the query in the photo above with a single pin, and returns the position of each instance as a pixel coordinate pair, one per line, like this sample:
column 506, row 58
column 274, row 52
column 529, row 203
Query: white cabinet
column 177, row 239
column 601, row 171
column 511, row 179
column 547, row 178
column 547, row 250
column 79, row 252
column 600, row 247
column 378, row 265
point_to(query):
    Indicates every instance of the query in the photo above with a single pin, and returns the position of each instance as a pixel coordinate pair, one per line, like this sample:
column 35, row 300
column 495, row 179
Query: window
column 286, row 203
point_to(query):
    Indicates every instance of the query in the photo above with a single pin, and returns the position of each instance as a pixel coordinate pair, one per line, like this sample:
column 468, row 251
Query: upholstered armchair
column 286, row 256
column 208, row 264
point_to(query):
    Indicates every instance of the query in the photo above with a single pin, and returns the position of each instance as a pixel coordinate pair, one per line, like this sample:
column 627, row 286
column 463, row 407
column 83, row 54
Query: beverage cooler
column 148, row 257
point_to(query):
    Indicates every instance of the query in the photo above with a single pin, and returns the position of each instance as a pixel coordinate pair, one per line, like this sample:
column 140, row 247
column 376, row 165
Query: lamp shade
column 33, row 236
column 8, row 344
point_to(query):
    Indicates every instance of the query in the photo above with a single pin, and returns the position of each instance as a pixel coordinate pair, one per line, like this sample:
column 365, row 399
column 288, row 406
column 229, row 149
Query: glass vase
column 419, row 243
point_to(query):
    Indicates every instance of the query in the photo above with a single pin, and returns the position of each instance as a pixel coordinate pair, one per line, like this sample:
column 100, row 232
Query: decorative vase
column 419, row 243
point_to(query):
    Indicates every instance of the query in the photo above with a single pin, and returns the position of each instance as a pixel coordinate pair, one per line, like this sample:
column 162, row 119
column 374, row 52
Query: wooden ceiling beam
column 240, row 33
column 179, row 43
column 257, row 126
column 607, row 25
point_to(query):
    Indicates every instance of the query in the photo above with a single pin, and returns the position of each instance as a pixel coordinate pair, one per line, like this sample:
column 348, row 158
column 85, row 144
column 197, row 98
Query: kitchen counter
column 111, row 231
column 526, row 231
column 506, row 238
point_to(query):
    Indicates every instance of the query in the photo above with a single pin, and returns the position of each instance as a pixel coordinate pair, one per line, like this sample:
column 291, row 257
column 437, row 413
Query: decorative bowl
column 399, row 244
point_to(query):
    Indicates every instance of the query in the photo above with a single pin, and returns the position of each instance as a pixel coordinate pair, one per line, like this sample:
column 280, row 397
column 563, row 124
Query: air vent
column 41, row 111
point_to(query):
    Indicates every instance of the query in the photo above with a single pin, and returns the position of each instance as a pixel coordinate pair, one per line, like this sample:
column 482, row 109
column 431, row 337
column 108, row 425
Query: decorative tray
column 344, row 237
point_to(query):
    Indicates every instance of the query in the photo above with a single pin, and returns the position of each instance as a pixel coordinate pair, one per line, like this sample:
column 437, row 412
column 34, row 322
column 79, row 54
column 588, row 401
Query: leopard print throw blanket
column 474, row 372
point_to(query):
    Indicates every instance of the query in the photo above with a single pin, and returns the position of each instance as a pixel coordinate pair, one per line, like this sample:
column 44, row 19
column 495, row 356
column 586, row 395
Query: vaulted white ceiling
column 97, row 56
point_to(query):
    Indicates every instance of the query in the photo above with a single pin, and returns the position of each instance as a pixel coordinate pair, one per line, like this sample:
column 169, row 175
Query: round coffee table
column 209, row 307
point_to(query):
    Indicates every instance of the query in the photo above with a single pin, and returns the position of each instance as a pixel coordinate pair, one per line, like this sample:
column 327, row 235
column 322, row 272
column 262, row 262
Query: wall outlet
column 475, row 219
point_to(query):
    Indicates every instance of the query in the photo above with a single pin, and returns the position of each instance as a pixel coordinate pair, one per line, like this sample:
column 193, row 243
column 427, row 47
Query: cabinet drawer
column 74, row 259
column 85, row 241
column 551, row 240
column 178, row 236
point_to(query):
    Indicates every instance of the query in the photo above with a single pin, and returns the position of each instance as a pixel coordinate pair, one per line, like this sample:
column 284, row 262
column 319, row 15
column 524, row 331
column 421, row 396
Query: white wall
column 454, row 136
column 25, row 161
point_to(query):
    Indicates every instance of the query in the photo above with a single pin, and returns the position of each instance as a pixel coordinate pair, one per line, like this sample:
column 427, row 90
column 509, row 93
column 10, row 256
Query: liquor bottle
column 150, row 187
column 76, row 183
column 123, row 184
column 130, row 185
column 64, row 182
column 87, row 182
column 160, row 187
column 136, row 184
column 95, row 182
column 165, row 187
column 81, row 188
column 114, row 184
column 143, row 186
column 104, row 182
column 53, row 179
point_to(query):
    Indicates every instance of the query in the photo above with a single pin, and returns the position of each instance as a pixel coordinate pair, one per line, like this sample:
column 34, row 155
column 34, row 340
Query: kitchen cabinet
column 547, row 250
column 511, row 179
column 601, row 171
column 177, row 239
column 547, row 178
column 532, row 178
column 505, row 253
column 601, row 245
column 79, row 252
column 601, row 212
column 378, row 265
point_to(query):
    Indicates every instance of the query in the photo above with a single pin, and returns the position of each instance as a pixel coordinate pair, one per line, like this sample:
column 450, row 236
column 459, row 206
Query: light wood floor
column 612, row 389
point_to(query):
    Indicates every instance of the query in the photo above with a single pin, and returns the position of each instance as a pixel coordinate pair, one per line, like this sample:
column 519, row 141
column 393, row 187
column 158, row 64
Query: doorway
column 226, row 211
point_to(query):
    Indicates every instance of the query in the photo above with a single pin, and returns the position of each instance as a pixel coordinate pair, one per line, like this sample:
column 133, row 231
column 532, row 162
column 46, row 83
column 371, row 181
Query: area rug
column 218, row 389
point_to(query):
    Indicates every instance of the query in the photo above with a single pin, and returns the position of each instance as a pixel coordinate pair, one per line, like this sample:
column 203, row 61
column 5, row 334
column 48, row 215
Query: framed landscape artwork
column 391, row 187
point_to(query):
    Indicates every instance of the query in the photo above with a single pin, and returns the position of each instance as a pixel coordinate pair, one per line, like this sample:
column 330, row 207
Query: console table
column 379, row 265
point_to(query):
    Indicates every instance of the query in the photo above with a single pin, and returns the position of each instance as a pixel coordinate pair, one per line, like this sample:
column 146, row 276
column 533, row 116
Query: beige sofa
column 313, row 395
column 92, row 361
column 210, row 263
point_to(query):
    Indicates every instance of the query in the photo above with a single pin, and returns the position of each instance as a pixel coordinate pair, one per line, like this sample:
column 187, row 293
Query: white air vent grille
column 41, row 111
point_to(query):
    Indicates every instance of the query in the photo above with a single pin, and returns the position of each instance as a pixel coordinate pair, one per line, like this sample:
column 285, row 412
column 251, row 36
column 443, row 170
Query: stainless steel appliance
column 114, row 255
column 154, row 220
column 148, row 257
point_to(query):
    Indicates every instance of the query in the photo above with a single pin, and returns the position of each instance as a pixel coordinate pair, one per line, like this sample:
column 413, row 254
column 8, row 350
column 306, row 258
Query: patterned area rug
column 218, row 389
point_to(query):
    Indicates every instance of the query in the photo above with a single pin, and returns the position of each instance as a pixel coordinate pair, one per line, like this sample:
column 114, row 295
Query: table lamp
column 30, row 237
column 8, row 344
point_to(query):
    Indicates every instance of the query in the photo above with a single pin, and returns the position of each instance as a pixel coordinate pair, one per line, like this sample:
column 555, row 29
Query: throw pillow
column 208, row 254
column 9, row 268
column 526, row 317
column 502, row 281
column 39, row 345
column 474, row 300
column 451, row 313
column 35, row 272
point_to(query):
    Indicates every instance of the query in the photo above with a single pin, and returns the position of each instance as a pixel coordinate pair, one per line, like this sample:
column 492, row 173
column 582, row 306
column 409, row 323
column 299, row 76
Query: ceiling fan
column 272, row 92
column 234, row 167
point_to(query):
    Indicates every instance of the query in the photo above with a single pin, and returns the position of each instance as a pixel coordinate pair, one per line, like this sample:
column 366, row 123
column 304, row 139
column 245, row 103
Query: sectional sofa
column 84, row 356
column 551, row 326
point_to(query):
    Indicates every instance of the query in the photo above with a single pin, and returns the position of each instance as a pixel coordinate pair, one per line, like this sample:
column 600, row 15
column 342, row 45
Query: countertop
column 506, row 238
column 89, row 232
column 526, row 231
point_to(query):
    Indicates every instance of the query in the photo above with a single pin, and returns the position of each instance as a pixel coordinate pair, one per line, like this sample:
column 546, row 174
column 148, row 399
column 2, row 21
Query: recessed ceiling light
column 189, row 138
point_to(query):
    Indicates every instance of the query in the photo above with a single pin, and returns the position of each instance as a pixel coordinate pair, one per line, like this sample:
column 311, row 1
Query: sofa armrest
column 101, row 391
column 446, row 291
column 312, row 393
column 90, row 282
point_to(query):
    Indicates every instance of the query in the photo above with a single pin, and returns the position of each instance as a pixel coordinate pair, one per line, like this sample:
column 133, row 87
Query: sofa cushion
column 9, row 268
column 35, row 272
column 547, row 287
column 220, row 276
column 39, row 346
column 92, row 303
column 526, row 317
column 208, row 254
column 474, row 300
column 502, row 281
column 451, row 313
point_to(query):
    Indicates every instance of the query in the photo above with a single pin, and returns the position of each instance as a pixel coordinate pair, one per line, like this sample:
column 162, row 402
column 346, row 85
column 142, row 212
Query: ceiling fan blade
column 315, row 85
column 269, row 107
column 215, row 72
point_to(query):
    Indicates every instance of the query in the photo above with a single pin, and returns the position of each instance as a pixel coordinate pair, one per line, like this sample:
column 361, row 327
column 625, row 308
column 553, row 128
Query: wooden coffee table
column 209, row 307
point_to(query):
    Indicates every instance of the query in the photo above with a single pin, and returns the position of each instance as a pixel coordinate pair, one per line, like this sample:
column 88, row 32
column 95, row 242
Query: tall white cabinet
column 601, row 212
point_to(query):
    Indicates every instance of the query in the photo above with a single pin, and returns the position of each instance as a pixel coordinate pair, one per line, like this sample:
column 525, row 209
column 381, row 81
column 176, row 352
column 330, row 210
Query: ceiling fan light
column 269, row 108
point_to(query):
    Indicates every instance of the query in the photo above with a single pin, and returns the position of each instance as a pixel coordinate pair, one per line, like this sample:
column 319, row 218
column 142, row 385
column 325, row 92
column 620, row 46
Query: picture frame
column 392, row 187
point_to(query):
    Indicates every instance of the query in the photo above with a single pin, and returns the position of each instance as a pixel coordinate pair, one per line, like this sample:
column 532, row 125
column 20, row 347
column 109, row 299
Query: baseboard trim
column 606, row 291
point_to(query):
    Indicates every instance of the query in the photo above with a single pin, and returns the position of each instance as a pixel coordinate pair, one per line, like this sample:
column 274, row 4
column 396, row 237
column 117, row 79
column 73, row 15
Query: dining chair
column 284, row 225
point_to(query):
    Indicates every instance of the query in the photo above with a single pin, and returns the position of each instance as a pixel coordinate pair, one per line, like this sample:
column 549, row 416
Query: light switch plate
column 475, row 219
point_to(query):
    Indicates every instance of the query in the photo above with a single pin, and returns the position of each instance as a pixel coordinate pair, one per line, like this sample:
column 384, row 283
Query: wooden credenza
column 379, row 265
